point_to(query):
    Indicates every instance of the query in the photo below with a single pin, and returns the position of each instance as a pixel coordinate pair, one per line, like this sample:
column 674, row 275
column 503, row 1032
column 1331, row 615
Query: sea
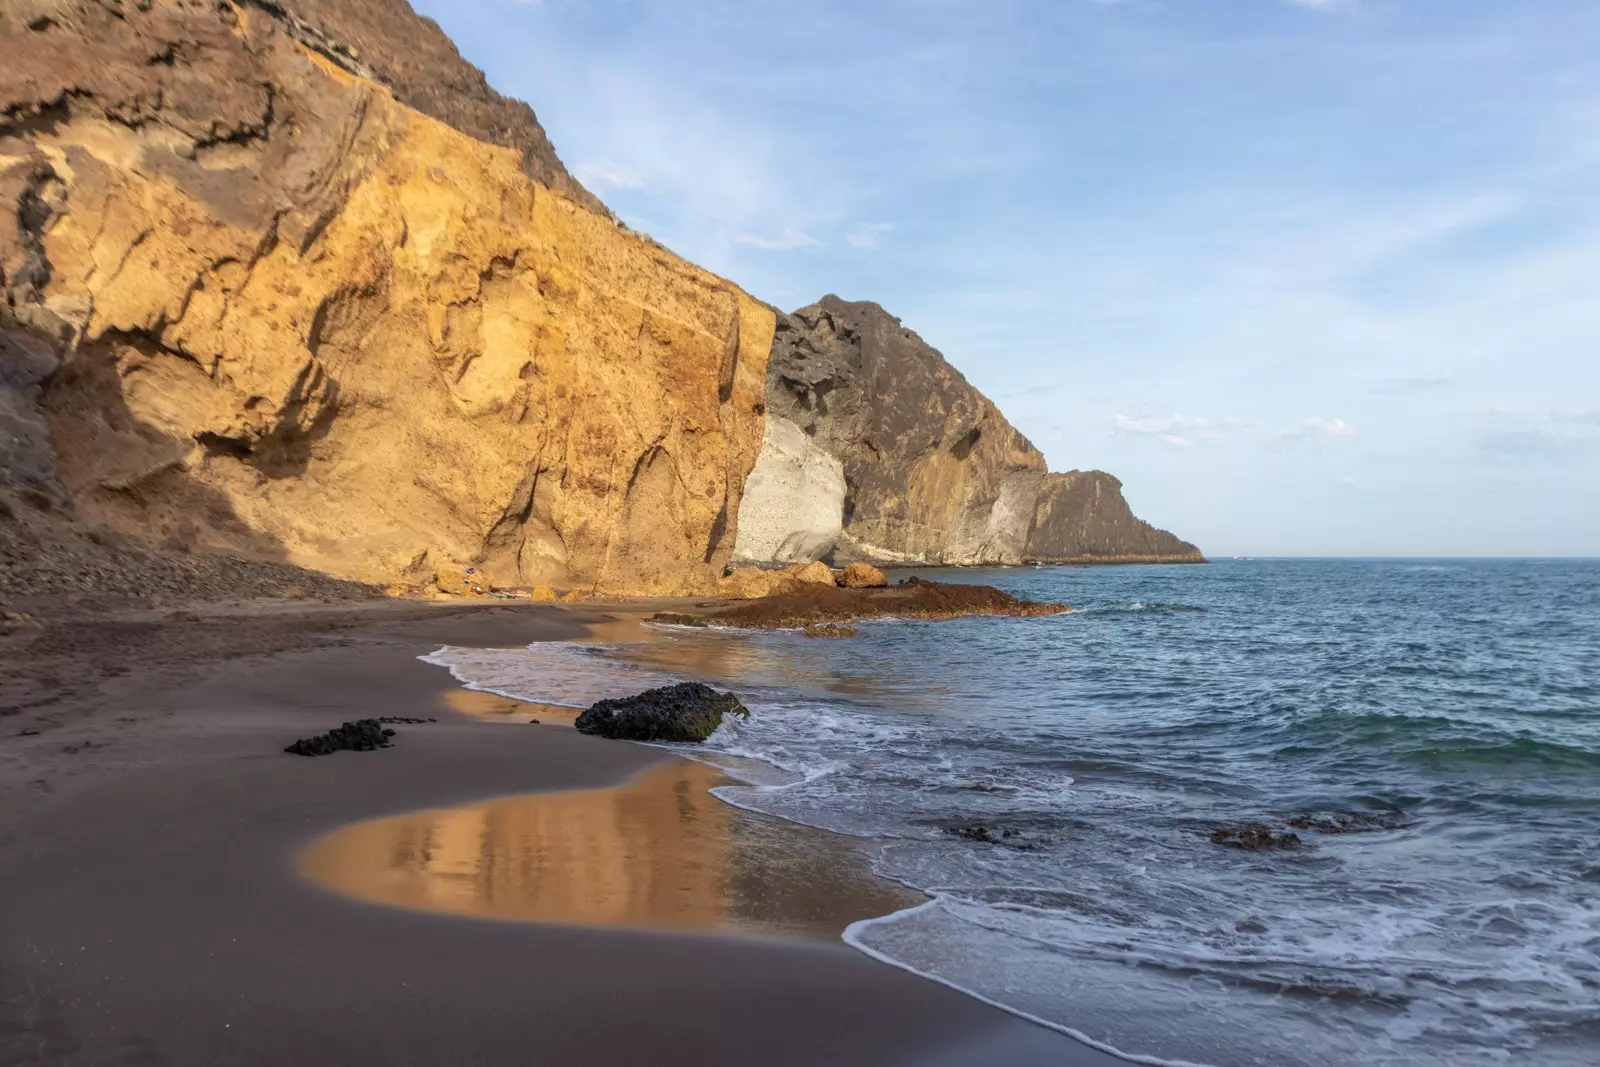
column 1429, row 730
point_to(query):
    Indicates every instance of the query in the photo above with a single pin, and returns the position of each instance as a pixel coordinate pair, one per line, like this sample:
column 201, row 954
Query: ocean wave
column 1138, row 606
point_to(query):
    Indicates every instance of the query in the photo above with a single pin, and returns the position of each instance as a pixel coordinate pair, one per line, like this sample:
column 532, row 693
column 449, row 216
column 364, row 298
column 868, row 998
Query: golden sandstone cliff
column 253, row 302
column 288, row 281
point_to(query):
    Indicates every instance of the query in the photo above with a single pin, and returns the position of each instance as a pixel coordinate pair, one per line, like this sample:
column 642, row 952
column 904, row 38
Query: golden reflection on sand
column 496, row 707
column 658, row 852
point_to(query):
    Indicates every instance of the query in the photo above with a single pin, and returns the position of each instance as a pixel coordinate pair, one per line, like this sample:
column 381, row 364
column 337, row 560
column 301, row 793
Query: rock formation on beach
column 287, row 281
column 802, row 605
column 264, row 306
column 878, row 449
column 686, row 711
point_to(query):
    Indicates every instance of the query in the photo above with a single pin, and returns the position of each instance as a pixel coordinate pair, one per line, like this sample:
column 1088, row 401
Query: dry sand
column 151, row 912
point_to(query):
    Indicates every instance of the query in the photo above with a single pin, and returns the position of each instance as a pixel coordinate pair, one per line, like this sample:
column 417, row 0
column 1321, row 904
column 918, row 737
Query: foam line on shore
column 852, row 936
column 437, row 658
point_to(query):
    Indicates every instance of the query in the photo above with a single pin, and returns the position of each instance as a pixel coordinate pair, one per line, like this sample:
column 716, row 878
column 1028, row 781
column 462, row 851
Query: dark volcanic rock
column 363, row 735
column 1253, row 837
column 807, row 605
column 830, row 630
column 1349, row 822
column 688, row 711
column 985, row 834
column 933, row 471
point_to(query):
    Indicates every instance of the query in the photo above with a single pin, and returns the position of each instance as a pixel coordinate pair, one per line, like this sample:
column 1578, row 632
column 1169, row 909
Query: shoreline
column 638, row 626
column 195, row 940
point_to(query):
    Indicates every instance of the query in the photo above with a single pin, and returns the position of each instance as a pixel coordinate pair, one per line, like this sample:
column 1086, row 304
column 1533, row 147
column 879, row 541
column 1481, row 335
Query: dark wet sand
column 151, row 912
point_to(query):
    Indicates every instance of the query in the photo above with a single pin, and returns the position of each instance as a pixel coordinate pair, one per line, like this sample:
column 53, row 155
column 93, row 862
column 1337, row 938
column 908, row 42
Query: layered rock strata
column 256, row 303
column 932, row 472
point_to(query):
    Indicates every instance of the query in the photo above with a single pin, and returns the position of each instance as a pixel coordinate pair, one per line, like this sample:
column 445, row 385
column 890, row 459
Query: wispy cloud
column 1419, row 384
column 602, row 174
column 1180, row 431
column 1317, row 428
column 786, row 241
column 868, row 235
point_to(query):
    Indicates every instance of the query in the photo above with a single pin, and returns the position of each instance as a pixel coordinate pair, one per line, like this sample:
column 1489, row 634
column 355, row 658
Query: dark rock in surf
column 363, row 735
column 675, row 618
column 985, row 834
column 1349, row 822
column 1254, row 837
column 688, row 711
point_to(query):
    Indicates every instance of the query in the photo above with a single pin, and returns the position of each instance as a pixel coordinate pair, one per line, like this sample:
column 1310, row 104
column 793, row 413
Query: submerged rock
column 986, row 834
column 1253, row 837
column 1349, row 822
column 830, row 630
column 678, row 618
column 688, row 711
column 363, row 735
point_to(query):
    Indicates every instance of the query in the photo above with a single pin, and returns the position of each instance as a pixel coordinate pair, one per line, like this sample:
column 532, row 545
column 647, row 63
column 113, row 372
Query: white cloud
column 1318, row 428
column 1180, row 431
column 600, row 174
column 866, row 235
column 786, row 241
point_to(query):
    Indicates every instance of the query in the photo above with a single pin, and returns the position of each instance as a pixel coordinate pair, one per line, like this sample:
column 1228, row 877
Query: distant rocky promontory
column 876, row 448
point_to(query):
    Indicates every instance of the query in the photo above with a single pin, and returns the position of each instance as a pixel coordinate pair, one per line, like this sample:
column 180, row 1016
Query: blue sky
column 1312, row 277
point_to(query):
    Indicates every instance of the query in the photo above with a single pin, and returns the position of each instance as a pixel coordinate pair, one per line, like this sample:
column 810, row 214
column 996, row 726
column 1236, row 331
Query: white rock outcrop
column 793, row 506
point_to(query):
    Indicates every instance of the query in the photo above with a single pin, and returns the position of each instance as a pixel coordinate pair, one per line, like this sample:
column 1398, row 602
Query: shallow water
column 1098, row 750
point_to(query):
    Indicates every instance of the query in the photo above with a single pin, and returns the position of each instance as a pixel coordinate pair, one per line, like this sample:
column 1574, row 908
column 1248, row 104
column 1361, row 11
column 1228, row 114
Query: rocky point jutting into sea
column 876, row 448
column 290, row 281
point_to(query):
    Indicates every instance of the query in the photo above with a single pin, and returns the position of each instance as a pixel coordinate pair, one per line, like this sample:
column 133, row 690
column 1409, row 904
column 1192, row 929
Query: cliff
column 288, row 280
column 876, row 448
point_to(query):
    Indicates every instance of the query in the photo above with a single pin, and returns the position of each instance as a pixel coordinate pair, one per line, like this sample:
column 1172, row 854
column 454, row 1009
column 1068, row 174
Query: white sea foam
column 855, row 937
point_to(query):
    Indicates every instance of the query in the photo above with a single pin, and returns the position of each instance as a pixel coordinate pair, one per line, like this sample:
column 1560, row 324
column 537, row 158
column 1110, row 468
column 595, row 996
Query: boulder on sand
column 814, row 573
column 458, row 580
column 688, row 711
column 862, row 576
column 753, row 583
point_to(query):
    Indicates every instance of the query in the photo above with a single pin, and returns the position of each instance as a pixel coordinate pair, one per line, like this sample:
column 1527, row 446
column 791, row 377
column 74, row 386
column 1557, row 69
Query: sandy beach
column 154, row 912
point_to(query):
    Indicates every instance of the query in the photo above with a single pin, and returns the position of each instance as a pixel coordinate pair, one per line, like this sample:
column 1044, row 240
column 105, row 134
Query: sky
column 1311, row 277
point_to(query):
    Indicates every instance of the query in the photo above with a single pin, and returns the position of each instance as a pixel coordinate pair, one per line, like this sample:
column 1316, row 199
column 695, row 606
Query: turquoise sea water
column 1053, row 784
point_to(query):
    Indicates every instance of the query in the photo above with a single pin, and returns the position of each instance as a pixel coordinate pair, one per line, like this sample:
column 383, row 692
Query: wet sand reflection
column 658, row 852
column 495, row 707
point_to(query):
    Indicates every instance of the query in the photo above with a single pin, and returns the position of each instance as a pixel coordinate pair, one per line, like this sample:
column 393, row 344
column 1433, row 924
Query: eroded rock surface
column 932, row 471
column 860, row 575
column 793, row 500
column 292, row 317
column 384, row 40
